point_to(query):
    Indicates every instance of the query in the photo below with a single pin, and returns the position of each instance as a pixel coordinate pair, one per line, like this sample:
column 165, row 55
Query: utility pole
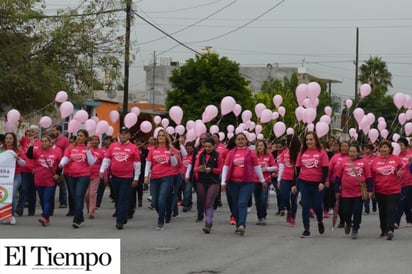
column 153, row 80
column 127, row 58
column 356, row 64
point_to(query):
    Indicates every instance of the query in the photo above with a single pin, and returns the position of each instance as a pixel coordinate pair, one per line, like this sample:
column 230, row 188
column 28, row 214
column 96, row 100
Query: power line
column 193, row 24
column 165, row 33
column 241, row 26
column 188, row 8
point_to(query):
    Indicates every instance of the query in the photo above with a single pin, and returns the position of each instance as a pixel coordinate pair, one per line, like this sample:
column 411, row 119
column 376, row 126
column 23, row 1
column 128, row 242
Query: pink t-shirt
column 238, row 165
column 311, row 163
column 265, row 161
column 406, row 176
column 186, row 161
column 62, row 142
column 289, row 168
column 24, row 144
column 98, row 155
column 122, row 157
column 77, row 165
column 161, row 163
column 350, row 183
column 384, row 171
column 334, row 164
column 45, row 166
column 222, row 150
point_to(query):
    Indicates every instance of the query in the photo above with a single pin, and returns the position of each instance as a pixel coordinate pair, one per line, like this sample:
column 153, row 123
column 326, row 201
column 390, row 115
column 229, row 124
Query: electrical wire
column 185, row 9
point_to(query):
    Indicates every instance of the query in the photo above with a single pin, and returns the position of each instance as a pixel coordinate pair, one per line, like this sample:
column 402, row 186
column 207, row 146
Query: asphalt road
column 183, row 248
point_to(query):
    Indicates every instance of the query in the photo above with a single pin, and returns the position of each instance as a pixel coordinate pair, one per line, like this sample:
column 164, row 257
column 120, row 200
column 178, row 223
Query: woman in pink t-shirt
column 312, row 170
column 350, row 172
column 385, row 171
column 160, row 168
column 240, row 165
column 405, row 204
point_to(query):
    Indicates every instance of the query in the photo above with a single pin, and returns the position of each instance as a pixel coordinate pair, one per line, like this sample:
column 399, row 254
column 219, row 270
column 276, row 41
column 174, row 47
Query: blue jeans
column 287, row 198
column 16, row 187
column 100, row 193
column 46, row 194
column 311, row 198
column 62, row 191
column 78, row 187
column 261, row 200
column 27, row 191
column 240, row 194
column 352, row 207
column 160, row 189
column 404, row 205
column 121, row 190
column 187, row 194
column 177, row 182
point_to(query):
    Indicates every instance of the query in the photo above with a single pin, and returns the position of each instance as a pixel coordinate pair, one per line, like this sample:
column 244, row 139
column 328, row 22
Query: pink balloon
column 328, row 110
column 399, row 99
column 190, row 125
column 258, row 129
column 275, row 115
column 114, row 116
column 325, row 118
column 95, row 118
column 9, row 127
column 146, row 126
column 170, row 130
column 130, row 119
column 364, row 123
column 402, row 118
column 66, row 108
column 90, row 125
column 282, row 111
column 157, row 119
column 381, row 125
column 408, row 114
column 396, row 148
column 214, row 129
column 200, row 128
column 81, row 116
column 190, row 135
column 210, row 113
column 408, row 128
column 371, row 118
column 299, row 112
column 309, row 115
column 176, row 114
column 395, row 137
column 260, row 136
column 109, row 130
column 313, row 90
column 348, row 103
column 384, row 133
column 301, row 93
column 358, row 113
column 365, row 90
column 135, row 110
column 237, row 110
column 251, row 137
column 266, row 116
column 74, row 125
column 230, row 128
column 45, row 122
column 180, row 129
column 352, row 132
column 322, row 129
column 290, row 131
column 251, row 125
column 307, row 103
column 408, row 101
column 227, row 105
column 230, row 135
column 61, row 97
column 310, row 127
column 165, row 122
column 279, row 129
column 259, row 108
column 277, row 100
column 221, row 136
column 246, row 115
column 13, row 116
column 101, row 127
column 373, row 135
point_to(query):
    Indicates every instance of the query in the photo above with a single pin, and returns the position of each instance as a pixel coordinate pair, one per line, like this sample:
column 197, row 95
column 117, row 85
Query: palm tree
column 375, row 72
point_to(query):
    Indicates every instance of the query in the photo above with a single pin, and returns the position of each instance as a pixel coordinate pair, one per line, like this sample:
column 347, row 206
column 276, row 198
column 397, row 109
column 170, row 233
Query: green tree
column 375, row 72
column 40, row 55
column 205, row 80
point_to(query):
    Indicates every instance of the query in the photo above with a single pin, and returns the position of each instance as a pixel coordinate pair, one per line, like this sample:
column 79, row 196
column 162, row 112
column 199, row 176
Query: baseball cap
column 34, row 127
column 124, row 129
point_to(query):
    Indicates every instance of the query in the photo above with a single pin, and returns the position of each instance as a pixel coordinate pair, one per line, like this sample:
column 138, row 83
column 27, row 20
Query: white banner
column 7, row 168
column 60, row 256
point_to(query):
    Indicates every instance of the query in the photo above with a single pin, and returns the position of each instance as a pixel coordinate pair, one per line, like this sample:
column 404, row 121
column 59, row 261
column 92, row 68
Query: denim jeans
column 287, row 198
column 404, row 205
column 240, row 194
column 177, row 182
column 160, row 189
column 17, row 185
column 387, row 205
column 187, row 194
column 62, row 191
column 46, row 194
column 208, row 194
column 352, row 211
column 27, row 191
column 121, row 190
column 311, row 198
column 261, row 200
column 100, row 193
column 78, row 187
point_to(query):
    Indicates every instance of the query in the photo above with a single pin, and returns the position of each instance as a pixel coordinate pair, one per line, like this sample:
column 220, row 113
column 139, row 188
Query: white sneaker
column 12, row 220
column 249, row 209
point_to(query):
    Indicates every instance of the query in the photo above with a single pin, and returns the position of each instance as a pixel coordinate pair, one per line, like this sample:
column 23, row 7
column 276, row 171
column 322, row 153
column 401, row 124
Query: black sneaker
column 354, row 234
column 305, row 234
column 341, row 225
column 347, row 228
column 389, row 236
column 75, row 225
column 119, row 226
column 382, row 235
column 321, row 228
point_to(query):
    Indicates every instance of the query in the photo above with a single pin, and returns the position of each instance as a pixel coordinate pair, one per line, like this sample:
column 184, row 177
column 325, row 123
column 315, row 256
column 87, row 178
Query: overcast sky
column 318, row 34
